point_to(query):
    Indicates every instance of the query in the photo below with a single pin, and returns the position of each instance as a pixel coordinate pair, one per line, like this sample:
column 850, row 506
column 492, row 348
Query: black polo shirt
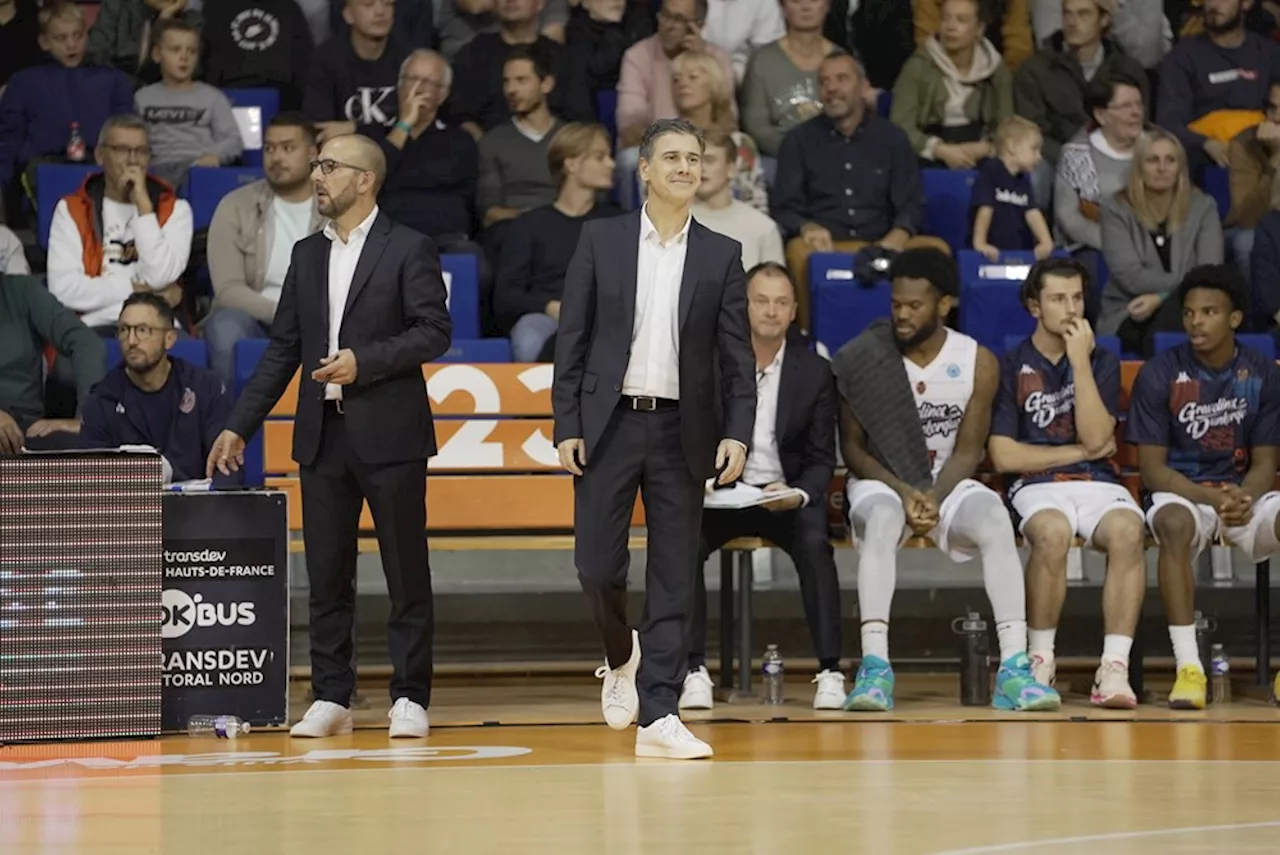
column 1009, row 197
column 858, row 187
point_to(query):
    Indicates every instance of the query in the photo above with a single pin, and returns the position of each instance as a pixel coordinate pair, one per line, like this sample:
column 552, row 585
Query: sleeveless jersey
column 942, row 390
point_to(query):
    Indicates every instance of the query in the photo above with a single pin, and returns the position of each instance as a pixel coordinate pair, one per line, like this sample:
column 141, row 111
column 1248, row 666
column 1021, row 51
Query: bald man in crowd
column 361, row 310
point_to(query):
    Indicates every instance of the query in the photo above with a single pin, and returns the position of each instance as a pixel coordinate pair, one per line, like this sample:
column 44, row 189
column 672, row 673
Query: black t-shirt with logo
column 1009, row 197
column 258, row 43
column 342, row 87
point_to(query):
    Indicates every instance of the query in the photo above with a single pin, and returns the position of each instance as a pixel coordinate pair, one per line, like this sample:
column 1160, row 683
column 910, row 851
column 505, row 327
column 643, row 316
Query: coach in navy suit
column 653, row 302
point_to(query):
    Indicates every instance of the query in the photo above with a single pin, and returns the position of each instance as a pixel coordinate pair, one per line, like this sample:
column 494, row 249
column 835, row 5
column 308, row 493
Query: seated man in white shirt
column 251, row 240
column 719, row 211
column 123, row 231
column 793, row 446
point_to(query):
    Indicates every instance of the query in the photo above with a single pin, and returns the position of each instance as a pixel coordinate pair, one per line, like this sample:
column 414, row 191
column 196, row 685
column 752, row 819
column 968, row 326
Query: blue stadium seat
column 1218, row 185
column 191, row 350
column 462, row 278
column 253, row 109
column 245, row 358
column 53, row 181
column 990, row 298
column 946, row 213
column 1106, row 342
column 1261, row 342
column 207, row 185
column 841, row 307
column 607, row 111
column 884, row 103
column 478, row 350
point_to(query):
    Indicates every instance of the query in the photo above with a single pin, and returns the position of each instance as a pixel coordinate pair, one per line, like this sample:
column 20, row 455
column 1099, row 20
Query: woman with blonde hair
column 1153, row 231
column 539, row 244
column 703, row 95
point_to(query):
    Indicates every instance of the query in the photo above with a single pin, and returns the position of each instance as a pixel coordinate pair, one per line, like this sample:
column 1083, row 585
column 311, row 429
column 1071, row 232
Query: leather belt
column 648, row 403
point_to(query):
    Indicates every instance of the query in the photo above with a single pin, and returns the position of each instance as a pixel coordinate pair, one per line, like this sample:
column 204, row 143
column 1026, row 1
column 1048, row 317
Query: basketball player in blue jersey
column 1054, row 428
column 1205, row 417
column 915, row 411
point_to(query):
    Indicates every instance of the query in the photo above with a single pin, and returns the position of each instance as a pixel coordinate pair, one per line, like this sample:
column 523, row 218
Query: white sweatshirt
column 134, row 247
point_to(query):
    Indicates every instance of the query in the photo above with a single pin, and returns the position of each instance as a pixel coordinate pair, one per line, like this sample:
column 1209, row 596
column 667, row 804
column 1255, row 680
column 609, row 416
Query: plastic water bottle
column 1220, row 668
column 76, row 148
column 975, row 660
column 219, row 726
column 774, row 674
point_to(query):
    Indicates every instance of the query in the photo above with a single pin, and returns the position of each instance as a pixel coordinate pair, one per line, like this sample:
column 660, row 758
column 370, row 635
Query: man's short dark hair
column 1217, row 277
column 772, row 268
column 533, row 54
column 1067, row 268
column 662, row 127
column 154, row 301
column 932, row 265
column 840, row 53
column 294, row 119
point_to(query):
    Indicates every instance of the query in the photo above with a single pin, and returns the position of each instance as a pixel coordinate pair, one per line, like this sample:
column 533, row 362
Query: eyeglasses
column 673, row 18
column 142, row 331
column 424, row 82
column 128, row 151
column 327, row 166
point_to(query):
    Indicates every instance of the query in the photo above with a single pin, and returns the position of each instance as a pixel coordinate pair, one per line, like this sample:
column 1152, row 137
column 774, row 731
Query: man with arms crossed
column 361, row 309
column 1054, row 427
column 914, row 416
column 1205, row 417
column 653, row 302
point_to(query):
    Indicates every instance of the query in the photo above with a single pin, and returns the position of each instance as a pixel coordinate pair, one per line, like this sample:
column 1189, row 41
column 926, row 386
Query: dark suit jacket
column 593, row 343
column 806, row 425
column 394, row 321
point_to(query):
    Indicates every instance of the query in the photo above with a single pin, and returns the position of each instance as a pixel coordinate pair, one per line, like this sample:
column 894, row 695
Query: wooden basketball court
column 932, row 777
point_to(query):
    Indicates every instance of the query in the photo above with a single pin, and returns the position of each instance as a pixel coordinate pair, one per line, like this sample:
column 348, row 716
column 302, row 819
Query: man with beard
column 251, row 240
column 154, row 399
column 915, row 412
column 514, row 175
column 1211, row 84
column 1054, row 429
column 363, row 306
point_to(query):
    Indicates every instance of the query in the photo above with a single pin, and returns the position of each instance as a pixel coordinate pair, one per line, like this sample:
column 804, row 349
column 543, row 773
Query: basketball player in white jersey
column 911, row 454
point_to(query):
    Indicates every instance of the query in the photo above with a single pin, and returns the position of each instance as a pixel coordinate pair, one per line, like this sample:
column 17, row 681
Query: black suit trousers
column 333, row 490
column 641, row 450
column 802, row 534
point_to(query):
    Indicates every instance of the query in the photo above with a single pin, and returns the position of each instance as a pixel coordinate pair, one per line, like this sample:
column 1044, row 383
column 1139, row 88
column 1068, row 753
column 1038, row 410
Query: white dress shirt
column 343, row 258
column 741, row 26
column 764, row 466
column 654, row 367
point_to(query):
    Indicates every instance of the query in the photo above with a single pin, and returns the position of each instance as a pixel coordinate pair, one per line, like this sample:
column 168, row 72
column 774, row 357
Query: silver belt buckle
column 644, row 404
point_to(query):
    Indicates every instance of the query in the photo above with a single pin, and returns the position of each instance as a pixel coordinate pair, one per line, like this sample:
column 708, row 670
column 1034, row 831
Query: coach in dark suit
column 362, row 308
column 793, row 448
column 652, row 301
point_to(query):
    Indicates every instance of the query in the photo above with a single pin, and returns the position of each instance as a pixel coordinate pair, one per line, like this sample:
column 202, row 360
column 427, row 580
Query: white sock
column 1012, row 635
column 1041, row 641
column 875, row 639
column 1116, row 647
column 1185, row 649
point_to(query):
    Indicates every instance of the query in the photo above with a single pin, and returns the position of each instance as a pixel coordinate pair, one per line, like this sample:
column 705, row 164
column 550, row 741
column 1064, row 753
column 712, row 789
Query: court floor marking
column 426, row 765
column 1095, row 838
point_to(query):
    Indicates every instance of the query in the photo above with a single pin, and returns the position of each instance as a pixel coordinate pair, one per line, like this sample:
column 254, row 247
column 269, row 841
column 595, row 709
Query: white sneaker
column 697, row 693
column 830, row 694
column 619, row 700
column 670, row 739
column 408, row 719
column 1044, row 668
column 1111, row 687
column 323, row 718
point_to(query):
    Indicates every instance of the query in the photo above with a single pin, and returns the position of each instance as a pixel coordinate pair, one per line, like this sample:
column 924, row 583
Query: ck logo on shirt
column 366, row 106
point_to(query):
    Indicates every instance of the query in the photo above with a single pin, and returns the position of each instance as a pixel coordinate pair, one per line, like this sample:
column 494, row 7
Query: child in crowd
column 41, row 104
column 1002, row 210
column 191, row 123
